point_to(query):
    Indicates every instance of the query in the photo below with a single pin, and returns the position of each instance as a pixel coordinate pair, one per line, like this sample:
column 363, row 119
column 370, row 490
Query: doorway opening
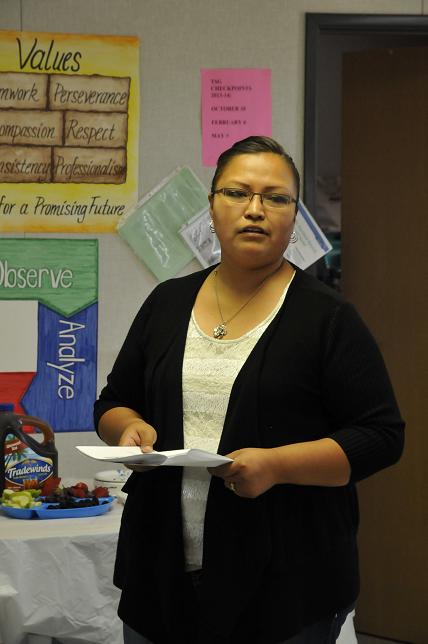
column 328, row 38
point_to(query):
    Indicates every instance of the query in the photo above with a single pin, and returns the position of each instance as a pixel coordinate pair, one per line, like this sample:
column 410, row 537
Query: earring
column 293, row 237
column 211, row 225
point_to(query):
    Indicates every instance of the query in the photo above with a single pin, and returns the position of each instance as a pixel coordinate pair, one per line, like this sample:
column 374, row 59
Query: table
column 56, row 580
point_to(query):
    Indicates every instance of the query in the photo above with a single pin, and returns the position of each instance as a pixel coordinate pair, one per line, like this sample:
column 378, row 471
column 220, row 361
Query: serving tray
column 41, row 511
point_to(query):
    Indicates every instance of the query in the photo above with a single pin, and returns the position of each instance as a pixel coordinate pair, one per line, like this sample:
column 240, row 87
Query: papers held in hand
column 133, row 455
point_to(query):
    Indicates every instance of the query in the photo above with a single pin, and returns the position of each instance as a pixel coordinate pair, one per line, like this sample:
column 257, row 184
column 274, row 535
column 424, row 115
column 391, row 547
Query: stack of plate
column 114, row 480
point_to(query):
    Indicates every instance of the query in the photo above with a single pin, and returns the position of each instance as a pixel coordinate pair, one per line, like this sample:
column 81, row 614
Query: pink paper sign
column 236, row 103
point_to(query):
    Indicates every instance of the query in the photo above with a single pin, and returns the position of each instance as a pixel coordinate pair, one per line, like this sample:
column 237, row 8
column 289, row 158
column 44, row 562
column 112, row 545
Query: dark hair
column 254, row 145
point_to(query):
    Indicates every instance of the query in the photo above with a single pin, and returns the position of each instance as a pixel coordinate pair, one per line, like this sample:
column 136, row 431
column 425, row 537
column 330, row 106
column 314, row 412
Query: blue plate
column 19, row 513
column 41, row 511
column 106, row 502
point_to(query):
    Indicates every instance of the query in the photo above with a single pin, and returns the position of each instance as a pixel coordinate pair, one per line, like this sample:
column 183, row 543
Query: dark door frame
column 318, row 24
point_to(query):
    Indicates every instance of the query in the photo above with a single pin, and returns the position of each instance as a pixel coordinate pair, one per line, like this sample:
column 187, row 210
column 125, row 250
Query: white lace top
column 210, row 367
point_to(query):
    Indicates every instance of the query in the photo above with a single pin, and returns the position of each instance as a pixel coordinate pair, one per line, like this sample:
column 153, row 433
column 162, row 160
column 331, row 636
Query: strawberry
column 50, row 485
column 81, row 486
column 78, row 492
column 100, row 492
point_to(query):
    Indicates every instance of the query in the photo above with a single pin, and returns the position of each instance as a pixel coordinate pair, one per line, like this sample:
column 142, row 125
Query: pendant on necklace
column 220, row 331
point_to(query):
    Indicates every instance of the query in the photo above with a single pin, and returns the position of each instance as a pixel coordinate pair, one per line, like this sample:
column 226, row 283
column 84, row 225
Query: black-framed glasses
column 238, row 196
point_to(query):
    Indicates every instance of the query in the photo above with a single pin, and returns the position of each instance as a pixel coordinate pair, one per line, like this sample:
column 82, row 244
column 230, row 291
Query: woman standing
column 259, row 361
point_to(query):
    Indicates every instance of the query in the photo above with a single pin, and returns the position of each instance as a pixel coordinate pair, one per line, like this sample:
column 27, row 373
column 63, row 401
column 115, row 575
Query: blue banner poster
column 48, row 329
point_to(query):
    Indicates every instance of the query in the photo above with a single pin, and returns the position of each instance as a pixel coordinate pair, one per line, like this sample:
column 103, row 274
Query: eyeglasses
column 238, row 196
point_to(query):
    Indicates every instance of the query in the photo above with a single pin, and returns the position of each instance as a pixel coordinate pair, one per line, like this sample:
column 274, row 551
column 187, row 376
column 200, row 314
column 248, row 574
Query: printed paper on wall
column 152, row 228
column 69, row 115
column 203, row 243
column 236, row 103
column 311, row 242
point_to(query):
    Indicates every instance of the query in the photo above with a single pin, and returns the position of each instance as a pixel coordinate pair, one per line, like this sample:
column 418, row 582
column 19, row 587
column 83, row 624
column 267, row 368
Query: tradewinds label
column 23, row 468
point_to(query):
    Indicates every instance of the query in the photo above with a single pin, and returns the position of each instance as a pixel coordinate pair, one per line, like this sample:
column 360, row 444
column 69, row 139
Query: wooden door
column 385, row 274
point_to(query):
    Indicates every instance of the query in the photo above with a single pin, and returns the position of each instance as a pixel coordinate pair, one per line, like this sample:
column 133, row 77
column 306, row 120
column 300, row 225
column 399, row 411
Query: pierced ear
column 210, row 200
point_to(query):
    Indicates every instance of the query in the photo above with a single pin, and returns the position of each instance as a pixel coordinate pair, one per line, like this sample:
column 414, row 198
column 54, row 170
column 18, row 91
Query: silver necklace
column 221, row 329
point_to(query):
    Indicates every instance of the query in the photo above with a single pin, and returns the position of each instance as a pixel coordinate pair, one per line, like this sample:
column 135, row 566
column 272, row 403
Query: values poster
column 69, row 114
column 48, row 329
column 236, row 103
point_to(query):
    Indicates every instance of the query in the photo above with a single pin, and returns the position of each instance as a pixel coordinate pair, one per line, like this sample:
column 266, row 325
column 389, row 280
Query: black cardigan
column 289, row 557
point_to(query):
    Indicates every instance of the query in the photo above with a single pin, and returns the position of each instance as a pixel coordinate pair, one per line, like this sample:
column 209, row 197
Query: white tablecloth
column 56, row 580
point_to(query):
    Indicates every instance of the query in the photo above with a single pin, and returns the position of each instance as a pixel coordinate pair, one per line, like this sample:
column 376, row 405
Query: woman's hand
column 253, row 471
column 141, row 434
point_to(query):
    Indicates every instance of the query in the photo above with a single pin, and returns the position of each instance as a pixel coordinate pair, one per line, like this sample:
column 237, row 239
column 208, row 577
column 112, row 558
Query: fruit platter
column 53, row 501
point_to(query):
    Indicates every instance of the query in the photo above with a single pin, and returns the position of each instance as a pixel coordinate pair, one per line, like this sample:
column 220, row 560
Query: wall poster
column 48, row 329
column 69, row 115
column 152, row 228
column 236, row 103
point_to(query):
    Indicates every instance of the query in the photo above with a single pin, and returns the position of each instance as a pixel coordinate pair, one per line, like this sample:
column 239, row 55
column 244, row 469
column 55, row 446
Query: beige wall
column 178, row 37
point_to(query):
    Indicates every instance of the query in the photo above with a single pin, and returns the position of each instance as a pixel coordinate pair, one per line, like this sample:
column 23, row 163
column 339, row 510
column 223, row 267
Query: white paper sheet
column 310, row 246
column 133, row 455
column 201, row 241
column 311, row 242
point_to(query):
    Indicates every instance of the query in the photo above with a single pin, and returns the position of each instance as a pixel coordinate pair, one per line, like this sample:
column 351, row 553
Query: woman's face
column 254, row 234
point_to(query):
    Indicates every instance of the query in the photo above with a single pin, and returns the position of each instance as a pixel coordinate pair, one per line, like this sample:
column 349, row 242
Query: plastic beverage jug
column 24, row 461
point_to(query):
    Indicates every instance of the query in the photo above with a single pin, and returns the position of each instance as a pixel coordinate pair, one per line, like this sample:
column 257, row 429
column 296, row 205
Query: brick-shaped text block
column 92, row 165
column 89, row 93
column 35, row 127
column 21, row 164
column 96, row 129
column 23, row 91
